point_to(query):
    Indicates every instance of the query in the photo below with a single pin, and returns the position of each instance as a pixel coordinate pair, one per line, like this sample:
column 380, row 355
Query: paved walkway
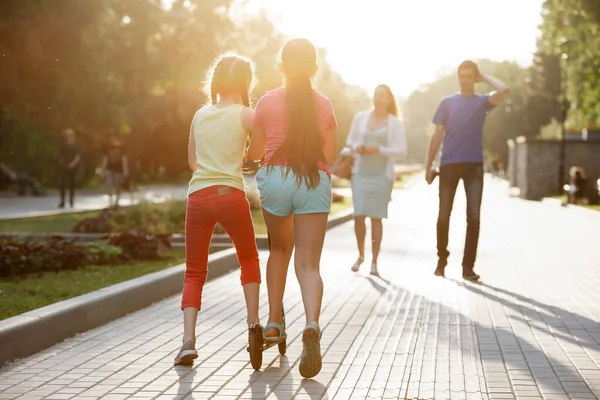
column 28, row 206
column 529, row 331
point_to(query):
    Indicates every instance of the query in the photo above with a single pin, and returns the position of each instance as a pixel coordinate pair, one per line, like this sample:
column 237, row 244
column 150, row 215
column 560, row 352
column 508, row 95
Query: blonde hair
column 229, row 74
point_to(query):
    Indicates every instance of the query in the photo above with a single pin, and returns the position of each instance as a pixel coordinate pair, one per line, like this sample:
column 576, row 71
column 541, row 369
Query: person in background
column 114, row 168
column 459, row 123
column 577, row 185
column 69, row 159
column 376, row 139
column 294, row 129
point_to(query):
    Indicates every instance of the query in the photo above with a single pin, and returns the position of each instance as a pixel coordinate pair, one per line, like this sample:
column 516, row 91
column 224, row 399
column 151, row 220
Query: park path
column 530, row 330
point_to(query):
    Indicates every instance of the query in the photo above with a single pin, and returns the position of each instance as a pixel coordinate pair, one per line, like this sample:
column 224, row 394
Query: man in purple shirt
column 459, row 125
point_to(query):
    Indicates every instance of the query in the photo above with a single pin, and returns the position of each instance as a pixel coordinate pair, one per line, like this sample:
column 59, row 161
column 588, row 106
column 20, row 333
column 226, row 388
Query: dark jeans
column 67, row 182
column 472, row 177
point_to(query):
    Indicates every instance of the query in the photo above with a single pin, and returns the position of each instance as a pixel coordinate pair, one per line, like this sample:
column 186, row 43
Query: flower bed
column 23, row 257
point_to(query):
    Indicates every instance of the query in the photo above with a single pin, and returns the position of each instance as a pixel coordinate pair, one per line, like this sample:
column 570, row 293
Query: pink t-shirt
column 271, row 114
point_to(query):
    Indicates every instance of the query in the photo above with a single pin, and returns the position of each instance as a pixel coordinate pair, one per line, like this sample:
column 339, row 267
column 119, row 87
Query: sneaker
column 470, row 275
column 310, row 360
column 187, row 354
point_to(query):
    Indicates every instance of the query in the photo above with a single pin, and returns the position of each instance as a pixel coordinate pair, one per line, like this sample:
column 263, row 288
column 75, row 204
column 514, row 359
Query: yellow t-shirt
column 220, row 142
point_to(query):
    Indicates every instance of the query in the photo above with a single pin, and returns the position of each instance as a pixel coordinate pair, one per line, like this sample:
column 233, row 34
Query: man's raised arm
column 500, row 89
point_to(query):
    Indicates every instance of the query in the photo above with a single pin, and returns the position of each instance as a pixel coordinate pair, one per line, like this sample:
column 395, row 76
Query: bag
column 342, row 167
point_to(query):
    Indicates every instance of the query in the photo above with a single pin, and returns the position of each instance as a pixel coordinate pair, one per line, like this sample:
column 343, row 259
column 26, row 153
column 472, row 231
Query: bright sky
column 405, row 43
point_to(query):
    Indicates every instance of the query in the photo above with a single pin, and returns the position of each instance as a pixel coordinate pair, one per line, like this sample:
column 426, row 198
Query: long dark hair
column 392, row 107
column 230, row 74
column 302, row 148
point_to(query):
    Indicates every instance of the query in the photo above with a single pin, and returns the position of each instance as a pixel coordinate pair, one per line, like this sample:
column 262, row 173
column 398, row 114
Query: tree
column 543, row 101
column 133, row 67
column 571, row 30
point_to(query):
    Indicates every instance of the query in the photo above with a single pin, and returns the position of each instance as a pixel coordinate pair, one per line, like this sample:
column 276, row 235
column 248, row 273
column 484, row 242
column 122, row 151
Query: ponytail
column 303, row 146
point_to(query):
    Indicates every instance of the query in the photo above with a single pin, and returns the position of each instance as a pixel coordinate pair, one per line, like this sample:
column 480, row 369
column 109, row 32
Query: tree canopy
column 133, row 67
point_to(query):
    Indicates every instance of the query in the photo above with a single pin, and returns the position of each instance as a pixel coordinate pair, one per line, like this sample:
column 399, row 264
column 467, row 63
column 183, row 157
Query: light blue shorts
column 282, row 196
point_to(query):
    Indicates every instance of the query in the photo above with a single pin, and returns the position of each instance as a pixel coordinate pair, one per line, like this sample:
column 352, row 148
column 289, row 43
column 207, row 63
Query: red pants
column 205, row 208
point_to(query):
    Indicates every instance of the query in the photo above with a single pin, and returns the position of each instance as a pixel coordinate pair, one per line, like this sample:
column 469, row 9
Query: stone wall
column 533, row 165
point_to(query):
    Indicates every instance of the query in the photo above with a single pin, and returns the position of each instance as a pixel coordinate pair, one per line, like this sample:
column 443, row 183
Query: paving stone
column 530, row 330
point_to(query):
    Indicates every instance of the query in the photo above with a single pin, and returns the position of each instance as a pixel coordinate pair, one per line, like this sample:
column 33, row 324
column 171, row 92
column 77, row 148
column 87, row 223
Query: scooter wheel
column 255, row 344
column 282, row 347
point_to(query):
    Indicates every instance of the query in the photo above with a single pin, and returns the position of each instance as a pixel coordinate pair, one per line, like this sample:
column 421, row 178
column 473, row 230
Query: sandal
column 374, row 270
column 275, row 339
column 357, row 264
column 310, row 360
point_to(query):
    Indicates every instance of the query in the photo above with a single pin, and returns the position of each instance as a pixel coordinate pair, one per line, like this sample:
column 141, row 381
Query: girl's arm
column 192, row 148
column 331, row 152
column 258, row 142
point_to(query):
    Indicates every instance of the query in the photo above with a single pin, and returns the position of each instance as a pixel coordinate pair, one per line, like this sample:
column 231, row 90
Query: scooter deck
column 268, row 345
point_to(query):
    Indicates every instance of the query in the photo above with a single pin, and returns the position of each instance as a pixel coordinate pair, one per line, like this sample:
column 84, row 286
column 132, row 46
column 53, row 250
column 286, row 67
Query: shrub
column 337, row 198
column 139, row 246
column 97, row 224
column 146, row 217
column 23, row 257
column 103, row 253
column 20, row 257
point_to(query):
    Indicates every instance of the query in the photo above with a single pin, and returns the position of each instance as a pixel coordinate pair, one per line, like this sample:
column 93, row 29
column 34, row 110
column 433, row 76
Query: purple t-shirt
column 463, row 118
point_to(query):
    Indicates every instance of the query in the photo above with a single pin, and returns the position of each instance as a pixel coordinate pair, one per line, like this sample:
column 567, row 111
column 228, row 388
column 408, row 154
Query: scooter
column 257, row 344
column 256, row 341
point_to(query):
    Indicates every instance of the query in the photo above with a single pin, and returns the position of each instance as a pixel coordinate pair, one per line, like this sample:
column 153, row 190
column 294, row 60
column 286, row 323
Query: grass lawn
column 22, row 294
column 564, row 199
column 50, row 223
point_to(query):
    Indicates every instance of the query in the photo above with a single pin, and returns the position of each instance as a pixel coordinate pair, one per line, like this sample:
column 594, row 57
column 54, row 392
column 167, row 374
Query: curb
column 34, row 331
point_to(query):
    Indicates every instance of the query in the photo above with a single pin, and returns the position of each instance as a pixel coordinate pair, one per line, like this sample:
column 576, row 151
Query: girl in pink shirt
column 294, row 129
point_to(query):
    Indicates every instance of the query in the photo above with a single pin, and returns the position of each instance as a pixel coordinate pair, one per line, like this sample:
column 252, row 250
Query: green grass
column 27, row 293
column 51, row 223
column 563, row 198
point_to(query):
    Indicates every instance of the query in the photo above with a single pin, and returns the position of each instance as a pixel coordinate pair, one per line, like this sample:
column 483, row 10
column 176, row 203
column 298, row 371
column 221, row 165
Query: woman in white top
column 376, row 140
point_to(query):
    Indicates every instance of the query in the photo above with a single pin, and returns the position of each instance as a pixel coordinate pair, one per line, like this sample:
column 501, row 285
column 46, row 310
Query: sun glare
column 407, row 43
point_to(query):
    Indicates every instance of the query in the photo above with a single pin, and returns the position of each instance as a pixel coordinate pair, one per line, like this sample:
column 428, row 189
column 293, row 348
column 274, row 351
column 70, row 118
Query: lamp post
column 564, row 111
